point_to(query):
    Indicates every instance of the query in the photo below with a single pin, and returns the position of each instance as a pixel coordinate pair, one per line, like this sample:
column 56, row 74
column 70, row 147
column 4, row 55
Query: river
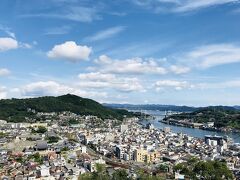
column 159, row 115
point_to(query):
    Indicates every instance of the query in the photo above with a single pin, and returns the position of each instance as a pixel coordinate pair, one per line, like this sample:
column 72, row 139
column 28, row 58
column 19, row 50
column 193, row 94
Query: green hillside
column 15, row 110
column 222, row 116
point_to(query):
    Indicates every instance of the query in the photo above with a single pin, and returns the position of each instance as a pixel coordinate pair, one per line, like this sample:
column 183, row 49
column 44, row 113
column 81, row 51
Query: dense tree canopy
column 221, row 116
column 16, row 110
column 209, row 170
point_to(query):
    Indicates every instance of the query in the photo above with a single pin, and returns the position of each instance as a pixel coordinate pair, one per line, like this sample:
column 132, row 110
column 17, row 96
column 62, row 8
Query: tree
column 144, row 176
column 100, row 168
column 120, row 174
column 209, row 170
column 73, row 121
column 100, row 173
column 52, row 139
column 65, row 149
column 37, row 158
column 213, row 170
column 40, row 129
column 162, row 168
column 85, row 176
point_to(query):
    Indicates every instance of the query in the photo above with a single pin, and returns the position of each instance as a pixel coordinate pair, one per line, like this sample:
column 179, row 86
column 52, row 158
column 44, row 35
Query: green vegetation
column 40, row 129
column 120, row 174
column 19, row 159
column 100, row 174
column 52, row 139
column 17, row 110
column 65, row 149
column 2, row 135
column 209, row 170
column 144, row 176
column 73, row 121
column 162, row 168
column 35, row 157
column 221, row 116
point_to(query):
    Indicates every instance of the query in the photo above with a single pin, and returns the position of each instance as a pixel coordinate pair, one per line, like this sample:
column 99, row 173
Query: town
column 76, row 145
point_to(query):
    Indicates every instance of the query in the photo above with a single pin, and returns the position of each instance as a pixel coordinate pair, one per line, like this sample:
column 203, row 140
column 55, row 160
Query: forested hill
column 222, row 116
column 16, row 110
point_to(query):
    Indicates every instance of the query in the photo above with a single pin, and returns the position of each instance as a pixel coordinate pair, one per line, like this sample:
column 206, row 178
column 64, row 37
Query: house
column 41, row 145
column 44, row 170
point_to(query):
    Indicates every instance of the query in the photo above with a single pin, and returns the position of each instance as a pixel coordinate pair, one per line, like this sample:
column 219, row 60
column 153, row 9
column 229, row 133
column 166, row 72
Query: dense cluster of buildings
column 79, row 147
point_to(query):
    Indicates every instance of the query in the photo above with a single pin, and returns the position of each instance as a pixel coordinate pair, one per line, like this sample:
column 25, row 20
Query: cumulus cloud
column 97, row 76
column 4, row 72
column 7, row 43
column 213, row 55
column 172, row 84
column 129, row 85
column 52, row 88
column 130, row 66
column 179, row 69
column 107, row 33
column 103, row 59
column 103, row 80
column 70, row 51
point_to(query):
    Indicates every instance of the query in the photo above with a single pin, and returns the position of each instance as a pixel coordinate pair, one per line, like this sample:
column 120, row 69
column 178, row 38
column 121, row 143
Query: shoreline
column 190, row 125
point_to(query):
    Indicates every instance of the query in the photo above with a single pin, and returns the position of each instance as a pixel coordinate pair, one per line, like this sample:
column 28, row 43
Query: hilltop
column 15, row 110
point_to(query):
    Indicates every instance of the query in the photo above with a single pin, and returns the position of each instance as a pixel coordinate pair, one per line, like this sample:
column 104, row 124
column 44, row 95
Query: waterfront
column 159, row 115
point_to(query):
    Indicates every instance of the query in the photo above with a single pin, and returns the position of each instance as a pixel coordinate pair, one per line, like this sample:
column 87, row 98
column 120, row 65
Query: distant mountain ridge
column 15, row 110
column 161, row 107
column 158, row 107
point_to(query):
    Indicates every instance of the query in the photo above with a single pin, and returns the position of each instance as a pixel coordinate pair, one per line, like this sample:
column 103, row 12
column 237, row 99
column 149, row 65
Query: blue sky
column 182, row 52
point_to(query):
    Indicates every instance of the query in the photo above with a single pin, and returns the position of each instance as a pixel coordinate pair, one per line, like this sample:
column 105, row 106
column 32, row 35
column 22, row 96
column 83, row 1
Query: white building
column 123, row 127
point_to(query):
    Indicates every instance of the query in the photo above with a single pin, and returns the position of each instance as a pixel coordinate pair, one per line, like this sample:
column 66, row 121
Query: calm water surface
column 159, row 115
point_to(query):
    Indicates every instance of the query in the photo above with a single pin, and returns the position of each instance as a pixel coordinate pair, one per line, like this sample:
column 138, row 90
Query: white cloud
column 130, row 66
column 3, row 92
column 74, row 13
column 8, row 31
column 213, row 55
column 103, row 59
column 195, row 5
column 129, row 85
column 179, row 69
column 4, row 72
column 25, row 45
column 70, row 51
column 102, row 80
column 177, row 85
column 52, row 88
column 180, row 85
column 97, row 76
column 180, row 6
column 219, row 85
column 107, row 33
column 8, row 44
